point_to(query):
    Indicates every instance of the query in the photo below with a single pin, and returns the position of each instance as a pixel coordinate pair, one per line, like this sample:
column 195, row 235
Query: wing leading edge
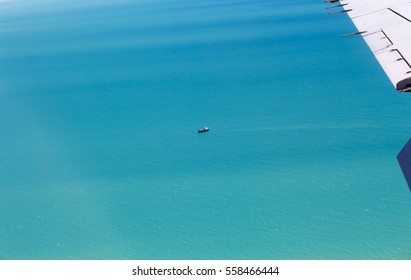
column 385, row 25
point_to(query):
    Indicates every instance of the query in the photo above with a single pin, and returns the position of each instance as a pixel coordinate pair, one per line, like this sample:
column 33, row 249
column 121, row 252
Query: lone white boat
column 204, row 129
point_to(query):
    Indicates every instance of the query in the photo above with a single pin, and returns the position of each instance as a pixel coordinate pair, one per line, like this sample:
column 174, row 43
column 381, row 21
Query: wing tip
column 404, row 85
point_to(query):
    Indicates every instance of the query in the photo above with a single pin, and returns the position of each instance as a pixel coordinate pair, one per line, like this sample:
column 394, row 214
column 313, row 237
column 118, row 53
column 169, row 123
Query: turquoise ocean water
column 100, row 102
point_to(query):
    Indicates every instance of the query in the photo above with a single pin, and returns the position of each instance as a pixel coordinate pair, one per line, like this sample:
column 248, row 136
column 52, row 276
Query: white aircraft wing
column 385, row 26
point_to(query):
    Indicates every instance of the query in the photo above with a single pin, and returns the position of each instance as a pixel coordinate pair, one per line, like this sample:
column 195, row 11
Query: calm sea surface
column 100, row 102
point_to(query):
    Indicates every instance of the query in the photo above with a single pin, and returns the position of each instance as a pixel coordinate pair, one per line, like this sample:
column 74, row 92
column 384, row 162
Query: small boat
column 204, row 129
